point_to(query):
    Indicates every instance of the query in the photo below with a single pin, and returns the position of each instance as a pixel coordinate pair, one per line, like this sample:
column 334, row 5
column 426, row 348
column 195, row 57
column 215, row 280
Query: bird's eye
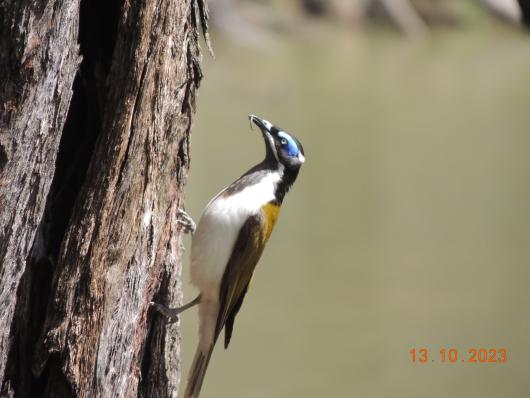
column 283, row 141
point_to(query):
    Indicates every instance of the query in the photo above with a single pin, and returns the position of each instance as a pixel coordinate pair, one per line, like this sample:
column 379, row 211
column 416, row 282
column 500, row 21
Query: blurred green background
column 409, row 225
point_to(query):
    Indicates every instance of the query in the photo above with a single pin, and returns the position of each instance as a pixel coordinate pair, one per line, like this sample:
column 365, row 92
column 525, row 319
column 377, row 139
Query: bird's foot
column 172, row 313
column 186, row 222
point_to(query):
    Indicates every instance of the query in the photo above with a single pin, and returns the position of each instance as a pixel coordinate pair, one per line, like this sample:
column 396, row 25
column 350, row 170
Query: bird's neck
column 286, row 176
column 287, row 179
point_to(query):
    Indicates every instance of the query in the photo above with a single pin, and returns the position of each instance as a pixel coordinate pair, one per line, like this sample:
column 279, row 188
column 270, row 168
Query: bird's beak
column 263, row 124
column 265, row 128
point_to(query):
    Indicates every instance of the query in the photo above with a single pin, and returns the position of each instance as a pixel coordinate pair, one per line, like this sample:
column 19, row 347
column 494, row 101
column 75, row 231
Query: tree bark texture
column 38, row 62
column 93, row 168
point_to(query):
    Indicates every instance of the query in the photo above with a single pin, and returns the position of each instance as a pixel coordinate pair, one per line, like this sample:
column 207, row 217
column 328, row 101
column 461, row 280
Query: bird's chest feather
column 220, row 225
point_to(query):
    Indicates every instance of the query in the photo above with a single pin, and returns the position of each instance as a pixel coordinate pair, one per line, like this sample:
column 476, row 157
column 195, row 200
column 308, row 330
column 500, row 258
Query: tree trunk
column 92, row 171
column 38, row 62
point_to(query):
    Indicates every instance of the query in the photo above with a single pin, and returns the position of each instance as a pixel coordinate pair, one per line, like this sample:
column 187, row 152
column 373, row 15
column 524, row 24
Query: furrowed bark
column 38, row 61
column 108, row 241
column 123, row 234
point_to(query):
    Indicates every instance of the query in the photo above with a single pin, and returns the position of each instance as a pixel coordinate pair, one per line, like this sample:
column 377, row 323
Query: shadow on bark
column 93, row 163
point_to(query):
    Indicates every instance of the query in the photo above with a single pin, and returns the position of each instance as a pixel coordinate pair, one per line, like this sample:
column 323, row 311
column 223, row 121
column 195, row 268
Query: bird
column 229, row 239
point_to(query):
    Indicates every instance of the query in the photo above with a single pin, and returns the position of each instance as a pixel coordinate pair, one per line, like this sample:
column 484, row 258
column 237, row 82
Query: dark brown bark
column 38, row 61
column 108, row 241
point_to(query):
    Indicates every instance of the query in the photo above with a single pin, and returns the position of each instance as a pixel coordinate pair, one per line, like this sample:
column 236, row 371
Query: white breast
column 218, row 230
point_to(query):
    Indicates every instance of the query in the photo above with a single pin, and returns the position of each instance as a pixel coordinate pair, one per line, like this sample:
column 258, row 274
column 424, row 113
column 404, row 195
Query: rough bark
column 38, row 61
column 107, row 239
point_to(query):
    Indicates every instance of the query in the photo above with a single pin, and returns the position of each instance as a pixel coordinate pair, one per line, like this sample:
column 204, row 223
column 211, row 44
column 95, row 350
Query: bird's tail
column 197, row 371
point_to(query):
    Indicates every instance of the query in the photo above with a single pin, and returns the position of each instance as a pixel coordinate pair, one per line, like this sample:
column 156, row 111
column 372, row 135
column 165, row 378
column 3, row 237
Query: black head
column 282, row 148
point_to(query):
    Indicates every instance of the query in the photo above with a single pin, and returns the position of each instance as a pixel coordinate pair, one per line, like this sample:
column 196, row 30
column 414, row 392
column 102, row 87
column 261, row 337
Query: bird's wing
column 247, row 250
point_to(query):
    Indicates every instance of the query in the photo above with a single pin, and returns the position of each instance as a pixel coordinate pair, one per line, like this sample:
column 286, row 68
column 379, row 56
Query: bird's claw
column 186, row 222
column 171, row 314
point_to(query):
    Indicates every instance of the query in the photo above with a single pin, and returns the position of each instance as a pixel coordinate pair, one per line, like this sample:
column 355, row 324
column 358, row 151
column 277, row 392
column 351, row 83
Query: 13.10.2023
column 454, row 355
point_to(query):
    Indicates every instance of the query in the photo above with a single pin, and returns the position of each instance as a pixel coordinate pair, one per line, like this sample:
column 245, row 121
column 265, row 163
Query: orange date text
column 455, row 355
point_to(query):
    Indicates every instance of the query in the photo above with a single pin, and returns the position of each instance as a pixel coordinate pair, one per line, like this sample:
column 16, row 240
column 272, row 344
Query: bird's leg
column 188, row 226
column 187, row 223
column 172, row 313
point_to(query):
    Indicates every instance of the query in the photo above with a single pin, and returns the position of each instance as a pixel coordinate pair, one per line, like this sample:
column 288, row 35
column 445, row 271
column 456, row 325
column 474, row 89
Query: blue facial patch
column 290, row 145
